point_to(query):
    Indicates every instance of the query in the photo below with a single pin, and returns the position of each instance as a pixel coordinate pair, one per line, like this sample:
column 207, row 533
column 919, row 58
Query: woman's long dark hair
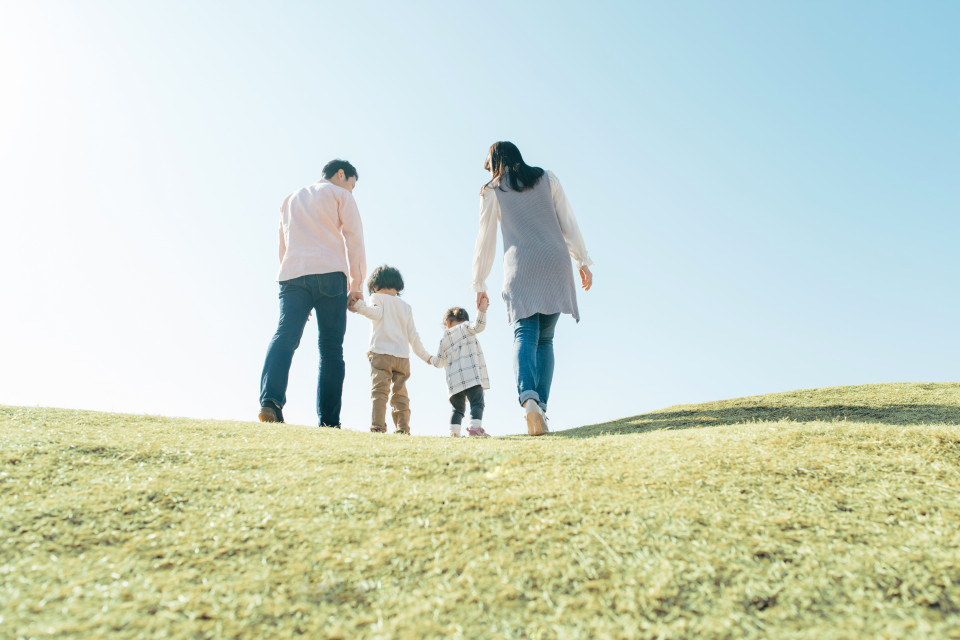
column 505, row 158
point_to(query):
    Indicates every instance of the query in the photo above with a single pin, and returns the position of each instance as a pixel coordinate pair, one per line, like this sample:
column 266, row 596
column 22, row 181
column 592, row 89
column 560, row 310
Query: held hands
column 586, row 278
column 352, row 298
column 482, row 299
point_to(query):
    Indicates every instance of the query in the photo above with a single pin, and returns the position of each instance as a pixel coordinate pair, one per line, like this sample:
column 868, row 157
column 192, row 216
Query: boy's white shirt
column 393, row 328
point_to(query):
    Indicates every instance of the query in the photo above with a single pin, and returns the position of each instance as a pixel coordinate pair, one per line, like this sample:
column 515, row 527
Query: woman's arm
column 485, row 250
column 568, row 224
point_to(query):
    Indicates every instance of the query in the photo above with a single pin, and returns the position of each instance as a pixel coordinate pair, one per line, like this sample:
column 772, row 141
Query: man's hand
column 352, row 298
column 586, row 278
column 482, row 299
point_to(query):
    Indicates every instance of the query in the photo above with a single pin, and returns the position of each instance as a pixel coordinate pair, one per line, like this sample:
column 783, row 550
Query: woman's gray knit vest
column 537, row 274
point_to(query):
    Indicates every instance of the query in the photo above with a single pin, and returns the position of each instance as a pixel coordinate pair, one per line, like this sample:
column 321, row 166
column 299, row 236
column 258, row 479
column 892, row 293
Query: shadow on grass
column 896, row 414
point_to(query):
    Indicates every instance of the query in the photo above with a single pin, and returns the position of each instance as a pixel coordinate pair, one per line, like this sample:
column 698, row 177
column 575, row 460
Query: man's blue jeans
column 533, row 356
column 326, row 294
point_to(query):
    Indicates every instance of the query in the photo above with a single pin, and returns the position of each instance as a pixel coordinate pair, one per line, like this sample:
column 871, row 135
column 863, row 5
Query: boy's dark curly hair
column 455, row 314
column 385, row 277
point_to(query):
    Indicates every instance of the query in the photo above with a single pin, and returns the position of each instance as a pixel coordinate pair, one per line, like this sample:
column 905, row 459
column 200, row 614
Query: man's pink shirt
column 321, row 232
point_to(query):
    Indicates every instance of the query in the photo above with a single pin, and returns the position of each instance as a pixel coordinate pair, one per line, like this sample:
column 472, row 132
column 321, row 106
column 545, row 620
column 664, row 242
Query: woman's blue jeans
column 533, row 356
column 325, row 293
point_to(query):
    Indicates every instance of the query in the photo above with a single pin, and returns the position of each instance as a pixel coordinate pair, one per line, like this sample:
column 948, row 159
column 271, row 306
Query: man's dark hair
column 330, row 169
column 385, row 277
column 455, row 314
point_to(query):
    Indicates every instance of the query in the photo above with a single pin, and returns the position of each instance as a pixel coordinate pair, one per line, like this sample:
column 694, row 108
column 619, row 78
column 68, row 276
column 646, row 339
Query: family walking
column 322, row 269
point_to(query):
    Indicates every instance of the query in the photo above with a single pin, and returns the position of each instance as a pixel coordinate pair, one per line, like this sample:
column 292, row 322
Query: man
column 316, row 273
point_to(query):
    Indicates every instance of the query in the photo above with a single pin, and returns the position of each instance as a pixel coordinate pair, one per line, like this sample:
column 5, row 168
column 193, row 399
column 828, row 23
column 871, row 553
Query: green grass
column 828, row 513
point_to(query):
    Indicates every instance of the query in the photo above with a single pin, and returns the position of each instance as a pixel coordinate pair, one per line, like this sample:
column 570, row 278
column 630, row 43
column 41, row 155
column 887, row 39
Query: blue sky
column 769, row 190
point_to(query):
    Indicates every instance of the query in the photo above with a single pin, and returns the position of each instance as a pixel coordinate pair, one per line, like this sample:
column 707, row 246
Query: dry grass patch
column 131, row 526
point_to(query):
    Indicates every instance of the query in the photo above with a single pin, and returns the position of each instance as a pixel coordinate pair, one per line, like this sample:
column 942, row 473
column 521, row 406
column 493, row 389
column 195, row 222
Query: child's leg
column 459, row 403
column 475, row 395
column 380, row 375
column 398, row 397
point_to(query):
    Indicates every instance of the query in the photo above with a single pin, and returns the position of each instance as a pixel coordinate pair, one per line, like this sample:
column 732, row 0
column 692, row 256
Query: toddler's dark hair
column 385, row 277
column 455, row 314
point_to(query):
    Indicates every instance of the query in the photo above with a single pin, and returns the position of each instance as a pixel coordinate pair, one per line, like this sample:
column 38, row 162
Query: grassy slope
column 824, row 513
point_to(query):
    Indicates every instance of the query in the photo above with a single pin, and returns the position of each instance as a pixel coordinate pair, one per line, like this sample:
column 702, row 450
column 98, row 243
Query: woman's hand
column 586, row 278
column 482, row 300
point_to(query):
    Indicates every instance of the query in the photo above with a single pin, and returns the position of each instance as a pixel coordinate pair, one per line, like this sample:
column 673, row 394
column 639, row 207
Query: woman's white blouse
column 485, row 251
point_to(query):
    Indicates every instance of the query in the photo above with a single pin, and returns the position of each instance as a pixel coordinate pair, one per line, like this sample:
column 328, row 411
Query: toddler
column 392, row 331
column 461, row 356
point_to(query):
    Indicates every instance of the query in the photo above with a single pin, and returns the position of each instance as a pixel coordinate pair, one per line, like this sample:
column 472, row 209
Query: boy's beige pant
column 384, row 371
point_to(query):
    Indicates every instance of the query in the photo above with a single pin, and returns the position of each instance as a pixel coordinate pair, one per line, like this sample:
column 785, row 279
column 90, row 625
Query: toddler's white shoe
column 475, row 429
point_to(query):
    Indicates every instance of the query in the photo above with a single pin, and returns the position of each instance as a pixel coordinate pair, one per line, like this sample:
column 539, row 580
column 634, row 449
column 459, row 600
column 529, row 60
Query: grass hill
column 825, row 513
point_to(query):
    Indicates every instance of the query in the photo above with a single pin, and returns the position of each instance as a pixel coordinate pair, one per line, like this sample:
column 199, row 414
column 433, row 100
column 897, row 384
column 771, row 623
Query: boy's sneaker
column 270, row 414
column 376, row 429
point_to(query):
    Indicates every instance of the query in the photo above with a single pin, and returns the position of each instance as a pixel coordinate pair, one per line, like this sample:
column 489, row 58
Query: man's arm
column 352, row 229
column 283, row 240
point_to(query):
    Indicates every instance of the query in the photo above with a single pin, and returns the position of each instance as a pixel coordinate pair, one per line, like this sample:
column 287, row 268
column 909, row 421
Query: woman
column 539, row 233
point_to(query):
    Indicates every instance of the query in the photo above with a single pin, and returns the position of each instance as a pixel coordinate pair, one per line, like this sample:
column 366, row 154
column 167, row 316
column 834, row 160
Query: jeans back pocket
column 332, row 284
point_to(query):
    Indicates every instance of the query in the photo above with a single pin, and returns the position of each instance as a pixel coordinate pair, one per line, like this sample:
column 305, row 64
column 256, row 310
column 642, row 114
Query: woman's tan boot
column 536, row 424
